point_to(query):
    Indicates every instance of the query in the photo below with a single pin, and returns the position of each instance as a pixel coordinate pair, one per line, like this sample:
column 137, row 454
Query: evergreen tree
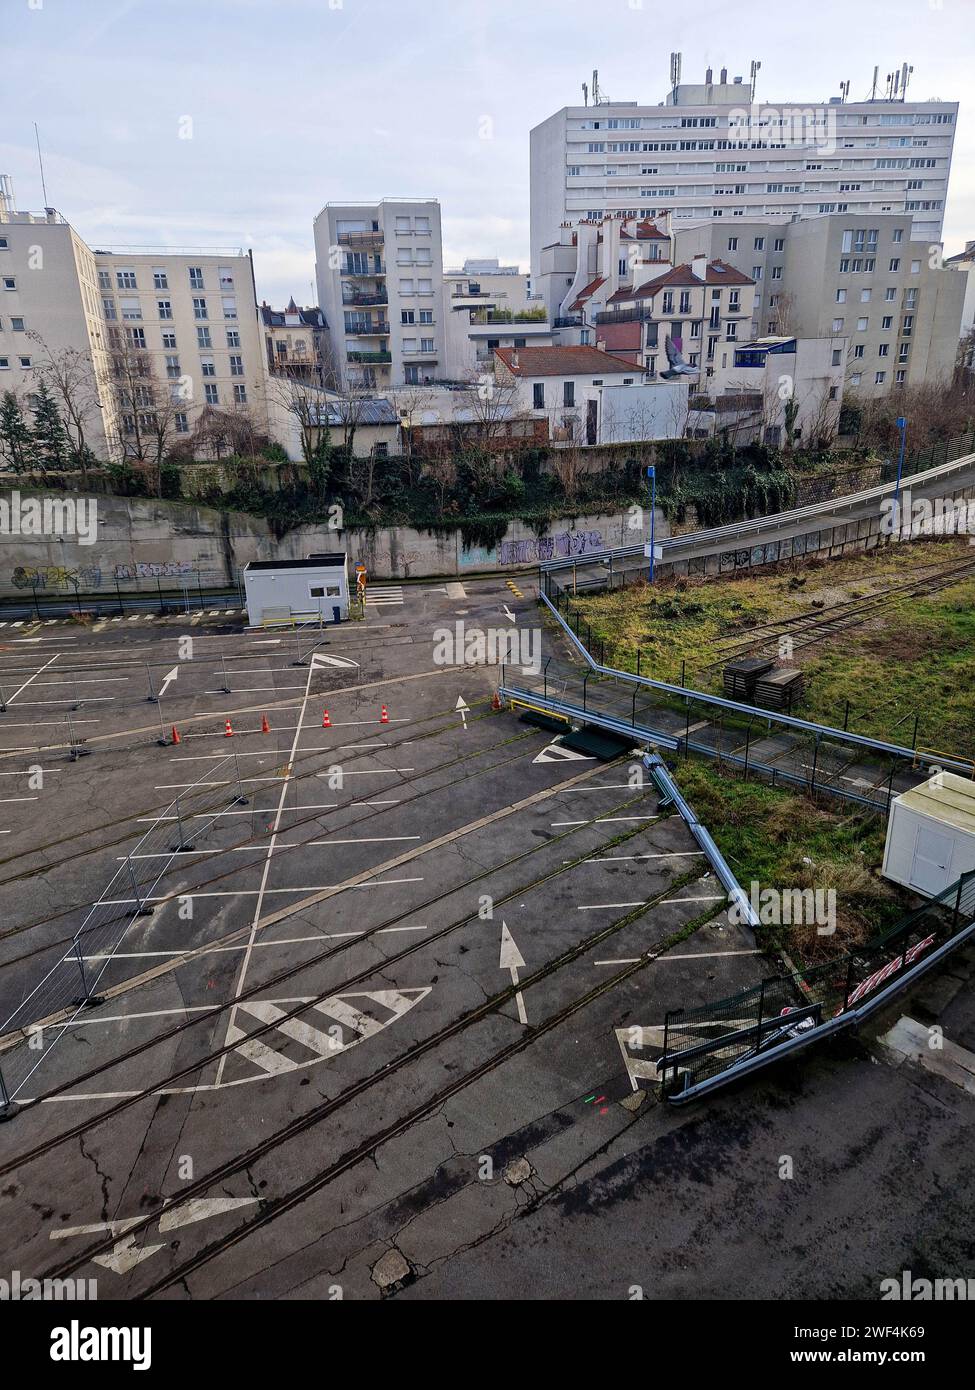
column 50, row 439
column 15, row 435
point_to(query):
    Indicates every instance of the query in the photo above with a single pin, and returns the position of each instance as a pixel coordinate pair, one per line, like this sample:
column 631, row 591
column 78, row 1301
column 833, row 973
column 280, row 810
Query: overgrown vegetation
column 914, row 660
column 783, row 840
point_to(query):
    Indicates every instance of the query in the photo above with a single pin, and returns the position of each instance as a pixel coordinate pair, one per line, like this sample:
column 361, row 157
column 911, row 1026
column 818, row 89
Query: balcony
column 509, row 316
column 568, row 321
column 362, row 274
column 368, row 330
column 365, row 301
column 623, row 315
column 363, row 239
column 369, row 357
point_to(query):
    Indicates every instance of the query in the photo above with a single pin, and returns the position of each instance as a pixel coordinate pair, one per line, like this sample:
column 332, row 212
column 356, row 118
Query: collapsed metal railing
column 34, row 1028
column 713, row 1045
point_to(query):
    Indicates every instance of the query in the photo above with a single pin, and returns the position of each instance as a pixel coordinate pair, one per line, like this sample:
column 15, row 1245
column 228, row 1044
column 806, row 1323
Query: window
column 233, row 337
column 411, row 375
column 538, row 396
column 837, row 325
column 137, row 337
column 779, row 244
column 17, row 325
column 196, row 277
column 226, row 277
column 426, row 316
column 895, row 264
column 858, row 352
column 229, row 307
column 903, row 352
column 907, row 325
column 236, row 365
column 759, row 243
column 125, row 279
column 732, row 243
column 172, row 366
column 837, row 356
column 864, row 296
column 667, row 305
column 200, row 309
column 685, row 302
column 756, row 272
column 568, row 393
column 915, row 267
column 104, row 280
column 862, row 325
column 887, row 321
column 165, row 307
column 4, row 364
column 856, row 378
column 131, row 308
column 900, row 378
column 169, row 341
column 890, row 295
column 406, row 287
column 841, row 296
column 203, row 338
column 731, row 332
column 24, row 362
column 182, row 422
column 160, row 280
column 776, row 272
column 9, row 283
column 207, row 366
column 879, row 378
column 883, row 350
column 898, row 234
column 240, row 393
column 211, row 394
column 427, row 345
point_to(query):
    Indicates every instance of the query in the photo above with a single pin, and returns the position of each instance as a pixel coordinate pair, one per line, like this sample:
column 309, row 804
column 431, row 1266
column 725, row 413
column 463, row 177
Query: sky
column 226, row 123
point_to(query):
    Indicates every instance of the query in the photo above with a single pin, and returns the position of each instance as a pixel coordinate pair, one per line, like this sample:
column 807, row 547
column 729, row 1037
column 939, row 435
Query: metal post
column 37, row 609
column 575, row 580
column 748, row 734
column 890, row 785
column 182, row 843
column 638, row 660
column 5, row 1101
column 585, row 682
column 151, row 698
column 687, row 732
column 957, row 909
column 901, row 423
column 849, row 983
column 545, row 679
column 633, row 714
column 81, row 966
column 846, row 717
column 812, row 783
column 3, row 701
column 914, row 735
column 143, row 909
column 683, row 680
column 241, row 798
column 652, row 476
column 761, row 1010
column 118, row 592
column 226, row 683
column 199, row 585
column 159, row 591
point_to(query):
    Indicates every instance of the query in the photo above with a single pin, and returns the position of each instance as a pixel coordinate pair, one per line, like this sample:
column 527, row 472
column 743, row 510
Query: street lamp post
column 652, row 480
column 901, row 424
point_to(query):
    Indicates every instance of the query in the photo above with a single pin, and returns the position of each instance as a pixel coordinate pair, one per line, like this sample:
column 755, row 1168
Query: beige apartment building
column 862, row 278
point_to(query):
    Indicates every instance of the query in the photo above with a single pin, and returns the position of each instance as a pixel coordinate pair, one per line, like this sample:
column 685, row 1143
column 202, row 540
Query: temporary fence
column 715, row 1044
column 49, row 590
column 36, row 1025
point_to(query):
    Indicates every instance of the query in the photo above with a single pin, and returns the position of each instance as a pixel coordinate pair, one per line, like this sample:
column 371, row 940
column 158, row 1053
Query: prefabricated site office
column 303, row 591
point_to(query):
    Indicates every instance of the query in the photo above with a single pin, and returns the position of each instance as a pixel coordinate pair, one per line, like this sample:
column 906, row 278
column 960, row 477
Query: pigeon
column 678, row 367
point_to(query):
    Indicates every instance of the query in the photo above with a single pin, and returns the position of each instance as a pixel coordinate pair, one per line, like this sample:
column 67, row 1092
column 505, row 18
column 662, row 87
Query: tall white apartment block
column 380, row 285
column 710, row 151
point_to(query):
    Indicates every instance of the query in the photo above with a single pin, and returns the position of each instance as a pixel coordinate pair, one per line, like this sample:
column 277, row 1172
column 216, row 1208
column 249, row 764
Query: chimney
column 709, row 76
column 699, row 267
column 724, row 74
column 514, row 359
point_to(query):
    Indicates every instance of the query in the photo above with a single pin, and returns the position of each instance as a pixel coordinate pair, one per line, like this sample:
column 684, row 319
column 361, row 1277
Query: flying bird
column 678, row 367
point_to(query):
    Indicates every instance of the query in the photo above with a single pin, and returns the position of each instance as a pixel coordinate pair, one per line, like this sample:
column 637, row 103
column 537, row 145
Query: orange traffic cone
column 326, row 722
column 228, row 730
column 176, row 737
column 265, row 726
column 384, row 717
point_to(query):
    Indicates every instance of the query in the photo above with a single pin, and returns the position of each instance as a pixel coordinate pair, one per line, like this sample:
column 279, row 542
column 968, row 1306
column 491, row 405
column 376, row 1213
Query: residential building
column 704, row 307
column 563, row 385
column 711, row 151
column 379, row 270
column 964, row 264
column 294, row 342
column 188, row 323
column 486, row 311
column 773, row 385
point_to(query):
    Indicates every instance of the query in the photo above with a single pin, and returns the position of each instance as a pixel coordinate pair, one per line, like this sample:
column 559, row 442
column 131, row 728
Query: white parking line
column 706, row 898
column 603, row 820
column 368, row 772
column 689, row 955
column 664, row 854
column 26, row 683
column 220, row 950
column 256, row 892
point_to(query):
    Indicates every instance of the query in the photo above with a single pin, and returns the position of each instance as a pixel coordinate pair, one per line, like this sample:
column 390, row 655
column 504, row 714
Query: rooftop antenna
column 845, row 90
column 906, row 72
column 873, row 90
column 40, row 163
column 585, row 94
column 754, row 78
column 595, row 87
column 675, row 67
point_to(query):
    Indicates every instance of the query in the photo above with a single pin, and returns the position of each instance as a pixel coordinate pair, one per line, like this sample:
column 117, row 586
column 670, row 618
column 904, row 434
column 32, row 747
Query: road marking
column 256, row 892
column 511, row 959
column 603, row 820
column 125, row 1254
column 556, row 753
column 664, row 854
column 11, row 698
column 705, row 898
column 690, row 955
column 88, row 1019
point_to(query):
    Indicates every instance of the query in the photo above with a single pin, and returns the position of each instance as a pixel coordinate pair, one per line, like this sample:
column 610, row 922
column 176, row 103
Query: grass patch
column 915, row 659
column 783, row 840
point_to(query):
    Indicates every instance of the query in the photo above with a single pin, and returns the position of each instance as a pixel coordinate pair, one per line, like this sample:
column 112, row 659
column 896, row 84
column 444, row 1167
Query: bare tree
column 146, row 407
column 492, row 403
column 567, row 466
column 307, row 406
column 71, row 377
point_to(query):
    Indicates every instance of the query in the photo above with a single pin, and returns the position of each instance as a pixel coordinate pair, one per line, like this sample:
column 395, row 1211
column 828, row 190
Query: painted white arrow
column 318, row 659
column 509, row 615
column 167, row 680
column 512, row 959
column 125, row 1255
column 463, row 706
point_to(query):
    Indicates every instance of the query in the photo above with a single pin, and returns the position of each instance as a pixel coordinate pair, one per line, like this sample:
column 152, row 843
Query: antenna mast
column 40, row 163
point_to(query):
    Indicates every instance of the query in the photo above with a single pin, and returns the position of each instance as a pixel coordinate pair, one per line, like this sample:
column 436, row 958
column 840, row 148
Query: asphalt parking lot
column 375, row 1031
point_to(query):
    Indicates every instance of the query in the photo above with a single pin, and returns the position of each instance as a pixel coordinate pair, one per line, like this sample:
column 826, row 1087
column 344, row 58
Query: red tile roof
column 588, row 292
column 645, row 231
column 563, row 361
column 718, row 273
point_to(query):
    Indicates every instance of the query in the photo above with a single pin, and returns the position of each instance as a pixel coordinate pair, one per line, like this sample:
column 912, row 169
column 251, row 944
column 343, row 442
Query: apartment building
column 189, row 321
column 49, row 302
column 562, row 387
column 590, row 261
column 864, row 278
column 488, row 306
column 964, row 264
column 294, row 342
column 379, row 271
column 710, row 151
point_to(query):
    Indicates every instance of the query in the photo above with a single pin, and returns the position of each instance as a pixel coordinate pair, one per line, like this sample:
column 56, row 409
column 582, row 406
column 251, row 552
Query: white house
column 564, row 386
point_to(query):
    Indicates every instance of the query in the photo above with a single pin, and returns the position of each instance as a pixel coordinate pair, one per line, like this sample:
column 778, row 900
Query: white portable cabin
column 297, row 591
column 931, row 834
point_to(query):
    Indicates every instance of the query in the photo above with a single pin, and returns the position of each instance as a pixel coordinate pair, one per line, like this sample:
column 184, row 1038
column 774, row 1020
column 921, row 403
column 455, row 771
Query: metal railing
column 52, row 589
column 33, row 1029
column 716, row 1044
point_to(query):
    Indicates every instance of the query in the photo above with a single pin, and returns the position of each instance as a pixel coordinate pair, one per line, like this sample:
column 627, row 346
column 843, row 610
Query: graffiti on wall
column 164, row 569
column 56, row 577
column 560, row 547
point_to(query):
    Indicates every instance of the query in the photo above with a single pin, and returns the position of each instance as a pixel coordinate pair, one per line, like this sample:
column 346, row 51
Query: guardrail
column 30, row 1033
column 672, row 546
